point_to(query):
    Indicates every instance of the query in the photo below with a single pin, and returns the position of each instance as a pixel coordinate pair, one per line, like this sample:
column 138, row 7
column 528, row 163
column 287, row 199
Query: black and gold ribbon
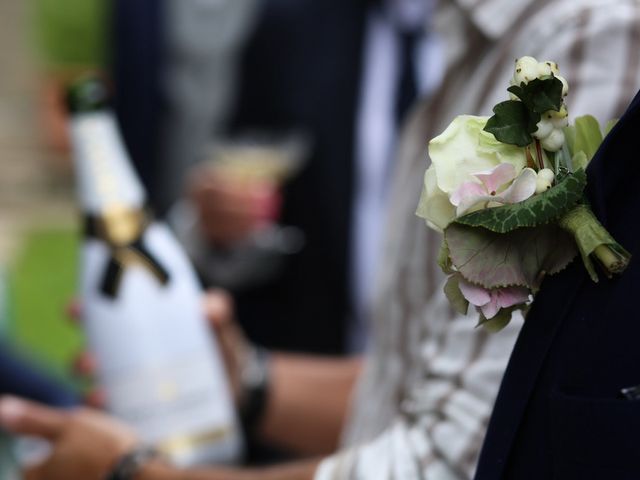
column 122, row 230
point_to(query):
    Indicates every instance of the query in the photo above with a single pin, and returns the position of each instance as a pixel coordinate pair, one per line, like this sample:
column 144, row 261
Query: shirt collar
column 494, row 17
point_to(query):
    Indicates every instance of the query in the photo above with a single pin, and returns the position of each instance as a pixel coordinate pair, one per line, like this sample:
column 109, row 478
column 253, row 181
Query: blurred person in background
column 341, row 75
column 174, row 71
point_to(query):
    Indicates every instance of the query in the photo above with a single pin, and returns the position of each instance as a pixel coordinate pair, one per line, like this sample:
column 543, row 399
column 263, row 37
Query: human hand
column 219, row 312
column 85, row 443
column 230, row 208
column 234, row 345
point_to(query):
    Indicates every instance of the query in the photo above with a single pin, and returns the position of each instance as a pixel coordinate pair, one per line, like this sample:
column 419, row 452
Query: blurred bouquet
column 508, row 194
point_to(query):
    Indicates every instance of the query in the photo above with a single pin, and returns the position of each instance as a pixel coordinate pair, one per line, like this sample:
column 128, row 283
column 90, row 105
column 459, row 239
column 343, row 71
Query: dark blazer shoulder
column 559, row 412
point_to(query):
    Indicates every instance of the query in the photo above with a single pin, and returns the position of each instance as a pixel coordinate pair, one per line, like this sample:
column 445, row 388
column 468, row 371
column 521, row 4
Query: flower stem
column 595, row 242
column 539, row 153
column 611, row 261
column 530, row 161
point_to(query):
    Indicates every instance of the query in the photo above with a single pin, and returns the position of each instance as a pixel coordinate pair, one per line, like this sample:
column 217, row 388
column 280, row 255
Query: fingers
column 28, row 418
column 227, row 221
column 74, row 311
column 95, row 398
column 229, row 210
column 218, row 308
column 233, row 345
column 84, row 365
column 37, row 472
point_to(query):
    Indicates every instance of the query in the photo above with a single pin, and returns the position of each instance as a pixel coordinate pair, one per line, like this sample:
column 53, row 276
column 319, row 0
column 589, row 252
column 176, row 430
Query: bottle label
column 106, row 179
column 158, row 362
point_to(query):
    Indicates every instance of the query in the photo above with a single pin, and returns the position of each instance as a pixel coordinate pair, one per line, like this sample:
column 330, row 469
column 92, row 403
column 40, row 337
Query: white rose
column 464, row 148
column 434, row 205
column 458, row 153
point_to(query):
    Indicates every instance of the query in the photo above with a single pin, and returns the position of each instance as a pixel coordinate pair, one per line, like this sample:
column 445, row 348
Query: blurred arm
column 308, row 396
column 294, row 471
column 308, row 402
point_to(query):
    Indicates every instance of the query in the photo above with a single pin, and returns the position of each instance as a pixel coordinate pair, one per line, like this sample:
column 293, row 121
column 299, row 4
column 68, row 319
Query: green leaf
column 609, row 126
column 545, row 94
column 518, row 258
column 518, row 91
column 540, row 95
column 454, row 295
column 570, row 138
column 537, row 210
column 580, row 161
column 444, row 262
column 512, row 123
column 588, row 136
column 497, row 323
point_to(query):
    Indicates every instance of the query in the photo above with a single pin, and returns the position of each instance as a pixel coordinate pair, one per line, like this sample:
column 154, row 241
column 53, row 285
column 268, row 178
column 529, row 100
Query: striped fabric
column 425, row 397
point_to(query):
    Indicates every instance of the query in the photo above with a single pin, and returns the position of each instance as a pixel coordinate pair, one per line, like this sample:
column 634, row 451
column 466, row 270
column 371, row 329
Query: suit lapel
column 534, row 341
column 552, row 306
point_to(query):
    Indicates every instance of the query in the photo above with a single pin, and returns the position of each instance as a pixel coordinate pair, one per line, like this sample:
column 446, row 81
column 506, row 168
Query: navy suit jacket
column 137, row 51
column 559, row 413
column 301, row 71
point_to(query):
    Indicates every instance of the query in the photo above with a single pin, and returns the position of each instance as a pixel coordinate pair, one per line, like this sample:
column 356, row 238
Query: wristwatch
column 254, row 379
column 131, row 463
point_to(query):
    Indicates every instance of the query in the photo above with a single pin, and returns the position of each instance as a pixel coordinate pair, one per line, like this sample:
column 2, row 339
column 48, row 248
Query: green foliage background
column 71, row 32
column 42, row 281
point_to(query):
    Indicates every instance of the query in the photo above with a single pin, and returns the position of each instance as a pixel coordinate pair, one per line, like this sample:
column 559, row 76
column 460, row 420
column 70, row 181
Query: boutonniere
column 508, row 194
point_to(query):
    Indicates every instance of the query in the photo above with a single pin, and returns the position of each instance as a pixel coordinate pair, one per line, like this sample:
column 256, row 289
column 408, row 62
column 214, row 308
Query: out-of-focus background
column 264, row 132
column 38, row 217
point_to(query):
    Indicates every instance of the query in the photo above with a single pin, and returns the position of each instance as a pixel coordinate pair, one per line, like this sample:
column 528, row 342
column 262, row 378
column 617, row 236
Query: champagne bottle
column 142, row 305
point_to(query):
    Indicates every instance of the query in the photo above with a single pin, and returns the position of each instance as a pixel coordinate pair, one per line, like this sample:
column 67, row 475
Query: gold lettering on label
column 167, row 391
column 98, row 154
column 189, row 443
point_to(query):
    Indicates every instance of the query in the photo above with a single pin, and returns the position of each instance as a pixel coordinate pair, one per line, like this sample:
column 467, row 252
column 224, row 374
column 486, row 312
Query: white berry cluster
column 550, row 127
column 544, row 180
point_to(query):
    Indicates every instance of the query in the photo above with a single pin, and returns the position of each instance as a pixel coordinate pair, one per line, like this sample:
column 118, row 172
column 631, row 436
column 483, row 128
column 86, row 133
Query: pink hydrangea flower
column 492, row 188
column 490, row 302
